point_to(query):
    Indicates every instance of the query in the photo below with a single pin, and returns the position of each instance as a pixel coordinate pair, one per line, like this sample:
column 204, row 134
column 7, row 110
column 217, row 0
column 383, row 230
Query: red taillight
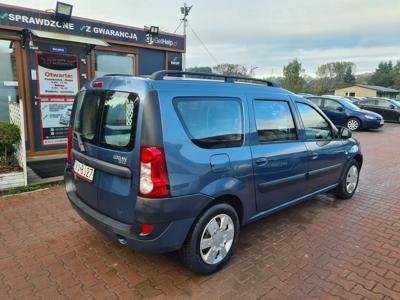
column 146, row 229
column 98, row 84
column 153, row 180
column 69, row 146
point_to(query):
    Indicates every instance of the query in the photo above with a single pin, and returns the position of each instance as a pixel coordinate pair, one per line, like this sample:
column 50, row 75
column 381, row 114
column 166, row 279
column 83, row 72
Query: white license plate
column 83, row 171
column 382, row 122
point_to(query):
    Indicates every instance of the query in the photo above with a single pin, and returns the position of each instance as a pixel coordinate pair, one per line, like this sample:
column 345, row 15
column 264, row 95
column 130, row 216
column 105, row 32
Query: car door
column 335, row 111
column 326, row 154
column 386, row 109
column 279, row 156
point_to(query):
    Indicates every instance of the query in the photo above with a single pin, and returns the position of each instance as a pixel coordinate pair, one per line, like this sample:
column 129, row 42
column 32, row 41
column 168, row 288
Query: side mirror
column 345, row 133
column 392, row 106
column 340, row 108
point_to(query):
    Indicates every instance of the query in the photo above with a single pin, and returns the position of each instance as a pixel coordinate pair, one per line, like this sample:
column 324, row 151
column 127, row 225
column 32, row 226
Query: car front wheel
column 353, row 124
column 349, row 182
column 212, row 241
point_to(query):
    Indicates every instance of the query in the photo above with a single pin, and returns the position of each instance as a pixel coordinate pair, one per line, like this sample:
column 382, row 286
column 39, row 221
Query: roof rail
column 116, row 74
column 159, row 75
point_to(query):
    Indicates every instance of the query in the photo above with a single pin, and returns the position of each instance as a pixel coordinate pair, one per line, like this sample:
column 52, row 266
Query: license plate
column 83, row 171
column 382, row 122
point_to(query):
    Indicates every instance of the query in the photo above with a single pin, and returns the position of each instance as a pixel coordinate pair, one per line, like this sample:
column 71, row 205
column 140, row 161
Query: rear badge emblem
column 123, row 160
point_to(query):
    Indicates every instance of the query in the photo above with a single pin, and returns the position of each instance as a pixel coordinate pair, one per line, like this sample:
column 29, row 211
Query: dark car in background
column 343, row 112
column 389, row 109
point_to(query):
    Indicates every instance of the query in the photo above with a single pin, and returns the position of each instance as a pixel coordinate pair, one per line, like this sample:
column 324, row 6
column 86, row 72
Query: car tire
column 353, row 124
column 349, row 181
column 213, row 240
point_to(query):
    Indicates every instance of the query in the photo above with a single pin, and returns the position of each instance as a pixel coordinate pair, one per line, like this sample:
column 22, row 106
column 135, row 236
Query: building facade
column 367, row 91
column 44, row 63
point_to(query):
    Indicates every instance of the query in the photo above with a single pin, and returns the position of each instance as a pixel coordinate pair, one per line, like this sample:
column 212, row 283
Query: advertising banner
column 57, row 74
column 55, row 114
column 174, row 61
column 58, row 82
column 18, row 17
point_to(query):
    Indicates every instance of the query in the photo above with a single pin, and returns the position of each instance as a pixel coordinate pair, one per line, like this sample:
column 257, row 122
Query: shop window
column 114, row 63
column 8, row 78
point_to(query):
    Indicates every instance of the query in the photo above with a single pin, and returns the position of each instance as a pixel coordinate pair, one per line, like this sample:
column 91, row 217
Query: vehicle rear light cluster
column 153, row 180
column 98, row 84
column 69, row 146
column 146, row 229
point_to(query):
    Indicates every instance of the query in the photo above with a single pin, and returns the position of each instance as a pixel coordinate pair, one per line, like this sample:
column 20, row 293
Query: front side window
column 315, row 126
column 274, row 121
column 114, row 63
column 211, row 122
column 384, row 103
column 331, row 104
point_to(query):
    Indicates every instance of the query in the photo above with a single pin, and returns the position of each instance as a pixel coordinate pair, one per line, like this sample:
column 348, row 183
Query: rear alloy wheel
column 212, row 241
column 353, row 124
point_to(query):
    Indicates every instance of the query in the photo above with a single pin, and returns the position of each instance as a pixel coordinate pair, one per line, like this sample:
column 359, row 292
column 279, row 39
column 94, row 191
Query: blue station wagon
column 169, row 163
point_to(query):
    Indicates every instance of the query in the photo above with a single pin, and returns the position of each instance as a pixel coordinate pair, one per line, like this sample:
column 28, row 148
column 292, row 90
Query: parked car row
column 358, row 112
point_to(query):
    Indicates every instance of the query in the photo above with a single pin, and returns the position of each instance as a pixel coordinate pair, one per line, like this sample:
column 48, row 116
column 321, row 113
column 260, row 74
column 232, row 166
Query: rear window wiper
column 80, row 142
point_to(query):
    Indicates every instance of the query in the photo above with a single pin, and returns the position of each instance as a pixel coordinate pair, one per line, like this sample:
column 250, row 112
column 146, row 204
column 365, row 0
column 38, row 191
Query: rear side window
column 315, row 126
column 211, row 122
column 332, row 104
column 106, row 118
column 316, row 101
column 274, row 121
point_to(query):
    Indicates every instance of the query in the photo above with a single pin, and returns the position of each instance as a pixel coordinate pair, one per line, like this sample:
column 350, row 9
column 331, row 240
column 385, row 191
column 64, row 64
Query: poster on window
column 57, row 74
column 55, row 114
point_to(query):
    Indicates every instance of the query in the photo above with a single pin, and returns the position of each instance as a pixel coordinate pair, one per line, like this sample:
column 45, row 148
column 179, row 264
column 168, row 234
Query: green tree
column 396, row 76
column 292, row 76
column 232, row 69
column 349, row 78
column 384, row 74
column 199, row 69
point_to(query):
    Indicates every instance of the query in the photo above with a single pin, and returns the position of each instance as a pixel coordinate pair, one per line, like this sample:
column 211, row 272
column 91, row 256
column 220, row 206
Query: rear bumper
column 172, row 219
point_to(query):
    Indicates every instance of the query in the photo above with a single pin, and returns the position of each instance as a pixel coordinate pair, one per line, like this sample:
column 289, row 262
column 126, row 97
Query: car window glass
column 316, row 101
column 211, row 122
column 87, row 110
column 315, row 126
column 368, row 102
column 331, row 104
column 274, row 121
column 119, row 108
column 384, row 103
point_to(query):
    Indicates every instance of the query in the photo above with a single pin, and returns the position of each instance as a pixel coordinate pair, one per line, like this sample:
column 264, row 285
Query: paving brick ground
column 322, row 249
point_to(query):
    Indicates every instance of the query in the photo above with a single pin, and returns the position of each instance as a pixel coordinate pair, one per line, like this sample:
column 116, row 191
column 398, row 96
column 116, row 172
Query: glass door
column 8, row 78
column 113, row 62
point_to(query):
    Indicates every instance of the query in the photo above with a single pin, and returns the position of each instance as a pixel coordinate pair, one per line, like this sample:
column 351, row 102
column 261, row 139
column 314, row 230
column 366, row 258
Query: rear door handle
column 314, row 155
column 261, row 161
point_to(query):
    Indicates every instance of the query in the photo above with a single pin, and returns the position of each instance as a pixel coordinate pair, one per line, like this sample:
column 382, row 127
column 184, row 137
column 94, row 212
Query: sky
column 263, row 34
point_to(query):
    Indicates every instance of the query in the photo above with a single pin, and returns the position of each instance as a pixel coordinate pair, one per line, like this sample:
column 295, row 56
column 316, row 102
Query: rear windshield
column 106, row 118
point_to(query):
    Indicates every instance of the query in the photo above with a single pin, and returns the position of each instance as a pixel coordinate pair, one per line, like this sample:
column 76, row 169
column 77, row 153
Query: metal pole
column 185, row 11
column 184, row 34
